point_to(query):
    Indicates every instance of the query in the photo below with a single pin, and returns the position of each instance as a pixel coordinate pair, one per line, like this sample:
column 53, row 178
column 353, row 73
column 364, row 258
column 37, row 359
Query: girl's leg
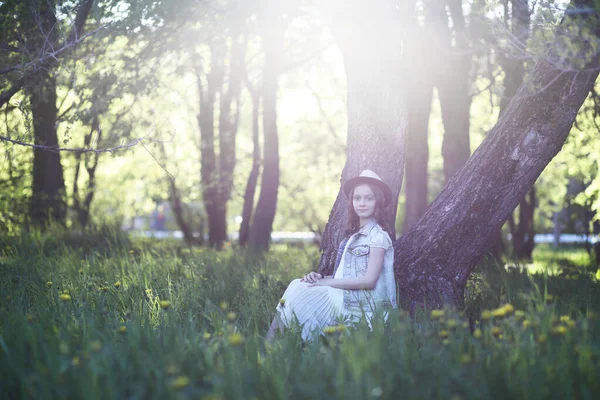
column 276, row 325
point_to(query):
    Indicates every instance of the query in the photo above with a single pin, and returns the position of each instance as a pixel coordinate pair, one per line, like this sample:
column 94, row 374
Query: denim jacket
column 353, row 257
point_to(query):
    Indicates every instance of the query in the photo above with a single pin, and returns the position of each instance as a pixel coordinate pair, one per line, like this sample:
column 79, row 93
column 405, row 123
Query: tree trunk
column 420, row 64
column 48, row 187
column 453, row 84
column 218, row 178
column 262, row 223
column 434, row 259
column 377, row 118
column 217, row 231
column 523, row 232
column 48, row 190
column 90, row 161
column 514, row 74
column 254, row 172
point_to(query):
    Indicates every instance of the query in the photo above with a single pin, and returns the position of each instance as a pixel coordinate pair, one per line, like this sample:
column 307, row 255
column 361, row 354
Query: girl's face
column 363, row 201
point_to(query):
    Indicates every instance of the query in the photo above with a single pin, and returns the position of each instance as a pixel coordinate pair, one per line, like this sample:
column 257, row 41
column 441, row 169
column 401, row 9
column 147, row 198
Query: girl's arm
column 368, row 281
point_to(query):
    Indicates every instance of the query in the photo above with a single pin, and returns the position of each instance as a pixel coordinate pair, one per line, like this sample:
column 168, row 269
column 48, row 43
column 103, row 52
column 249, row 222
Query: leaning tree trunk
column 434, row 259
column 262, row 223
column 377, row 119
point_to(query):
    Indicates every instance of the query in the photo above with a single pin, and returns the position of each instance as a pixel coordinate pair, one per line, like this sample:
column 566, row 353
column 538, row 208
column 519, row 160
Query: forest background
column 188, row 103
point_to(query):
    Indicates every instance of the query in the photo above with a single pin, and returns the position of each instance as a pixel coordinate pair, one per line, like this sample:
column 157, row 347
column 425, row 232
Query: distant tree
column 217, row 168
column 273, row 27
column 31, row 31
column 248, row 206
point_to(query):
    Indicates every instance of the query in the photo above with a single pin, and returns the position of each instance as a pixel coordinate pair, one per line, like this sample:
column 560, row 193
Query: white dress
column 317, row 307
column 314, row 307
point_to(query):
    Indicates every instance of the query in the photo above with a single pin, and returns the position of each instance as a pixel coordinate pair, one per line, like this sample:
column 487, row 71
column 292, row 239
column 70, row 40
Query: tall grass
column 102, row 316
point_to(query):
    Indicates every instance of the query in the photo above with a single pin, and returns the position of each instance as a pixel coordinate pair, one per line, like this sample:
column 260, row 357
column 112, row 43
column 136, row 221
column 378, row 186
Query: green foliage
column 158, row 320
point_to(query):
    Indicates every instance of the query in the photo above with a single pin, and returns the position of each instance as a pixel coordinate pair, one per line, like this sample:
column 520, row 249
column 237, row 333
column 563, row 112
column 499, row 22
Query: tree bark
column 48, row 188
column 434, row 259
column 248, row 206
column 377, row 118
column 264, row 215
column 48, row 185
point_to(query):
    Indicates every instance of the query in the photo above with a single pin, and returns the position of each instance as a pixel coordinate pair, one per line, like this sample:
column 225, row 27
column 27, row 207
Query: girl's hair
column 378, row 214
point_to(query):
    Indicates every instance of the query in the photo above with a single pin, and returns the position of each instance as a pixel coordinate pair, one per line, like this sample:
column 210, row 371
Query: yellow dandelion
column 437, row 314
column 526, row 323
column 329, row 330
column 452, row 323
column 231, row 316
column 465, row 324
column 465, row 359
column 549, row 298
column 542, row 338
column 80, row 270
column 519, row 314
column 96, row 346
column 559, row 330
column 443, row 333
column 571, row 323
column 76, row 361
column 223, row 305
column 49, row 283
column 131, row 251
column 341, row 327
column 104, row 289
column 122, row 330
column 235, row 339
column 180, row 382
column 486, row 315
column 282, row 302
column 477, row 333
column 206, row 336
column 65, row 297
column 148, row 292
column 565, row 318
column 118, row 284
column 496, row 331
column 165, row 304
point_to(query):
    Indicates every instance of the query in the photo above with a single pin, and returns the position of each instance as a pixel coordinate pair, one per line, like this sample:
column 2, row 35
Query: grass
column 102, row 316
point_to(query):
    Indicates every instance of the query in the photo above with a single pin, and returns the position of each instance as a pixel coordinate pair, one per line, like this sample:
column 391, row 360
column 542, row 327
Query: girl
column 363, row 276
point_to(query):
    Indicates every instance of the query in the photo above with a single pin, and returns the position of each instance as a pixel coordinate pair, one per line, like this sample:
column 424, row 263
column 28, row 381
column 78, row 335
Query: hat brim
column 357, row 180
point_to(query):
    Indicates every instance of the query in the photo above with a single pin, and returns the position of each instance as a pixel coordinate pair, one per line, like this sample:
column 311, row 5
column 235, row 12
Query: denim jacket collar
column 366, row 229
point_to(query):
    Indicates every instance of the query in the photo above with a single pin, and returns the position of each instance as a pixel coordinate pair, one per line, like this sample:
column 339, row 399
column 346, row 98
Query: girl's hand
column 321, row 282
column 311, row 277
